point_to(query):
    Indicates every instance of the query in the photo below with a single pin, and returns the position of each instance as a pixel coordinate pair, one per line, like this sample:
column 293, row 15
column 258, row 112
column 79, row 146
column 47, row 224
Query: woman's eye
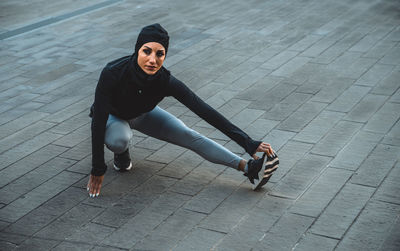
column 147, row 51
column 160, row 54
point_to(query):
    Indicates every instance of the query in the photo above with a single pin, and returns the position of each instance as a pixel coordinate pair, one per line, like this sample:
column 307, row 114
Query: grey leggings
column 162, row 125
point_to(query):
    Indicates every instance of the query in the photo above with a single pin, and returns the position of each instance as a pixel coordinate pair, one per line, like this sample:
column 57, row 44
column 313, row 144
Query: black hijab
column 150, row 33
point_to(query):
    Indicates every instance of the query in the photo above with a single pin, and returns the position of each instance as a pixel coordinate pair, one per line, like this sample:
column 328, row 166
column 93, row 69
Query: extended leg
column 164, row 126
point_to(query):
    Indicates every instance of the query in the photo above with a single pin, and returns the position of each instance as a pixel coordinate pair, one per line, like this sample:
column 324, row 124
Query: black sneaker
column 255, row 171
column 122, row 162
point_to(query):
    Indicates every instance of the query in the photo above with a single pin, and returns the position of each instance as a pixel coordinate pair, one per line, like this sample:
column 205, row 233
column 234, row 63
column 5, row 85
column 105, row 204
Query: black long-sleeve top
column 118, row 93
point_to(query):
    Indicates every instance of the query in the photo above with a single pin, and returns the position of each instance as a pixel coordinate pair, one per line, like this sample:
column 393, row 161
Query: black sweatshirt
column 118, row 94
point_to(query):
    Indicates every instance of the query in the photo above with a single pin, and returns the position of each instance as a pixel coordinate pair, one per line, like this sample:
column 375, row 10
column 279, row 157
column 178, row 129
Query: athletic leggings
column 162, row 125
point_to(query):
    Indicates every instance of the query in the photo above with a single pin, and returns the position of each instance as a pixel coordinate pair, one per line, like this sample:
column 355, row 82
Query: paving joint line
column 52, row 20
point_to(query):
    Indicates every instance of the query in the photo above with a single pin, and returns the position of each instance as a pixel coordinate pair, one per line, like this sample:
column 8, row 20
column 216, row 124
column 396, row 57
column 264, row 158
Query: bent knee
column 118, row 145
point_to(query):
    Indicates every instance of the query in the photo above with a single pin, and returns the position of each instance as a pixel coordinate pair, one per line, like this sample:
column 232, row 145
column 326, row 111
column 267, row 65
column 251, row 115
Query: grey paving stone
column 38, row 244
column 332, row 90
column 253, row 92
column 79, row 151
column 278, row 60
column 366, row 108
column 139, row 226
column 312, row 241
column 33, row 179
column 302, row 116
column 392, row 242
column 391, row 57
column 47, row 212
column 182, row 165
column 297, row 180
column 199, row 239
column 348, row 99
column 75, row 137
column 20, row 123
column 336, row 138
column 66, row 246
column 37, row 196
column 232, row 210
column 384, row 118
column 23, row 135
column 385, row 157
column 216, row 192
column 180, row 224
column 365, row 233
column 278, row 138
column 70, row 111
column 319, row 126
column 29, row 163
column 285, row 233
column 389, row 190
column 289, row 154
column 287, row 106
column 356, row 151
column 248, row 80
column 389, row 85
column 90, row 233
column 167, row 153
column 306, row 42
column 374, row 75
column 321, row 192
column 20, row 151
column 371, row 39
column 291, row 66
column 342, row 211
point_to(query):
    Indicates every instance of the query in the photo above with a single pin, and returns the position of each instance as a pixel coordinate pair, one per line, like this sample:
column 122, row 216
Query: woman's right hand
column 266, row 148
column 94, row 185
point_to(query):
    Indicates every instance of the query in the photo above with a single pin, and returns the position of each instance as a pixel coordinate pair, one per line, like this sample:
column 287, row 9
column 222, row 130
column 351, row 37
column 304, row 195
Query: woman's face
column 151, row 57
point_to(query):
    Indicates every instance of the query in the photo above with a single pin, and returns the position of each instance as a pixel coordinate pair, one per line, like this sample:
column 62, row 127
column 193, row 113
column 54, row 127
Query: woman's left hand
column 266, row 148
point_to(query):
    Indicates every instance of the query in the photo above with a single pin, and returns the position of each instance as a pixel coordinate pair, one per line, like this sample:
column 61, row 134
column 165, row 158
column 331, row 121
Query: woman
column 126, row 98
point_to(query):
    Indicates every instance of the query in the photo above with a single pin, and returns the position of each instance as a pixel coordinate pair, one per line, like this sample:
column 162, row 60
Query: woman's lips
column 151, row 68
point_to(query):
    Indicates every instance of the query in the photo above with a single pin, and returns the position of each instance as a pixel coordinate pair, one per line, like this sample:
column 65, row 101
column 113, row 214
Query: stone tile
column 90, row 233
column 29, row 163
column 182, row 165
column 230, row 212
column 392, row 241
column 278, row 138
column 216, row 192
column 30, row 146
column 306, row 42
column 278, row 60
column 38, row 244
column 348, row 99
column 47, row 212
column 367, row 107
column 66, row 246
column 392, row 56
column 389, row 190
column 332, row 90
column 321, row 192
column 342, row 211
column 389, row 85
column 287, row 106
column 285, row 233
column 37, row 196
column 139, row 226
column 33, row 179
column 24, row 135
column 319, row 126
column 21, row 122
column 312, row 241
column 199, row 238
column 365, row 233
column 336, row 138
column 291, row 66
column 385, row 157
column 298, row 179
column 374, row 75
column 302, row 116
column 356, row 151
column 384, row 118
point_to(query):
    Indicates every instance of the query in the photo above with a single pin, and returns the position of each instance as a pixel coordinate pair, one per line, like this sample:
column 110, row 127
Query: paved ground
column 319, row 80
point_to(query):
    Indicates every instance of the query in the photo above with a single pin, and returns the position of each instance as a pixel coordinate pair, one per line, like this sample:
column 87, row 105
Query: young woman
column 126, row 98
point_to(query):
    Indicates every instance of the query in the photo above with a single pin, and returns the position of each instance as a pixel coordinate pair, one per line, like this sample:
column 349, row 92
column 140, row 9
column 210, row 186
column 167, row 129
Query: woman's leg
column 118, row 134
column 164, row 126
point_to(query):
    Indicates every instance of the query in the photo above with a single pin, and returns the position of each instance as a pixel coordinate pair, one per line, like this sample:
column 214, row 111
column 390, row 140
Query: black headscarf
column 150, row 33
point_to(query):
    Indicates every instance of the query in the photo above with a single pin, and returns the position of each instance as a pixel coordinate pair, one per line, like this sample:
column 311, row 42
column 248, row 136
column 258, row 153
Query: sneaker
column 255, row 171
column 122, row 162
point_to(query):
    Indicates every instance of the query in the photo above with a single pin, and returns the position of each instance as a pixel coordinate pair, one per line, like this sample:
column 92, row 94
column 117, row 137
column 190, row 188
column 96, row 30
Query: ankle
column 242, row 165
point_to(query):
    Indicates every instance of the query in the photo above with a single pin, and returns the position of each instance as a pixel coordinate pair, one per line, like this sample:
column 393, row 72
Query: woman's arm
column 184, row 95
column 101, row 110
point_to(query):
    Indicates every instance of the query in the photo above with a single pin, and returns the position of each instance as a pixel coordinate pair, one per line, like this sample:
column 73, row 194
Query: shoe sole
column 257, row 183
column 272, row 164
column 123, row 169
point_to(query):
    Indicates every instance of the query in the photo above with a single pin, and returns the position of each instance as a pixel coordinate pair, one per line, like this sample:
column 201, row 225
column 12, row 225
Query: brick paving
column 319, row 80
